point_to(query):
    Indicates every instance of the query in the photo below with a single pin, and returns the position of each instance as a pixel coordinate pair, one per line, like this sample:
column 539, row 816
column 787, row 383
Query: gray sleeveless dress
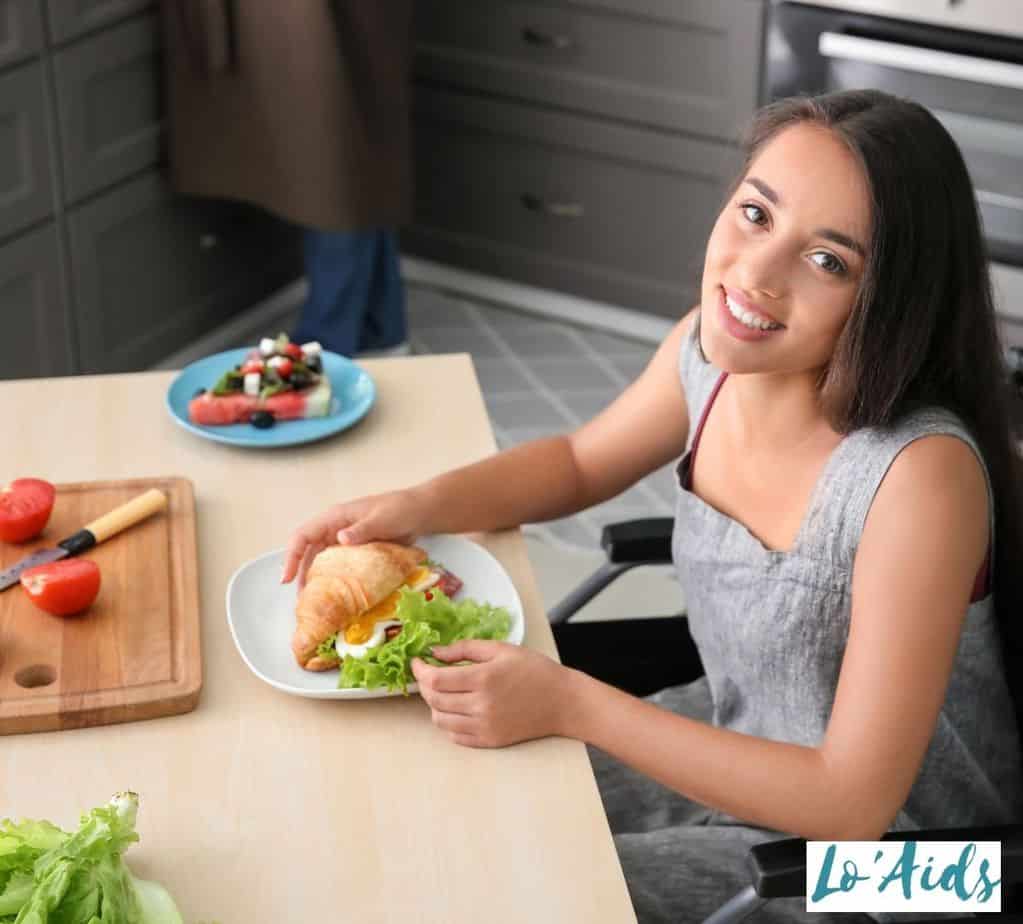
column 771, row 628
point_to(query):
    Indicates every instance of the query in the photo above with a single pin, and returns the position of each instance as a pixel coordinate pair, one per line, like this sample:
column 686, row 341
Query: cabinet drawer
column 110, row 106
column 614, row 213
column 153, row 271
column 26, row 189
column 35, row 336
column 21, row 30
column 695, row 72
column 68, row 20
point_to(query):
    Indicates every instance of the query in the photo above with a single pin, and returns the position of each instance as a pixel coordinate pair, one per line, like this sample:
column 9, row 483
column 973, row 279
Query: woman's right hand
column 397, row 516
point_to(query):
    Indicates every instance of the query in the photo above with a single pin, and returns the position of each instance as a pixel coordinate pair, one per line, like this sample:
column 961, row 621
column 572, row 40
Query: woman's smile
column 743, row 319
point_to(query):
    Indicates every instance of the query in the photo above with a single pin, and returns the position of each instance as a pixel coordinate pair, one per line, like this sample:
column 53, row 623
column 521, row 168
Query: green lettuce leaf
column 49, row 876
column 425, row 623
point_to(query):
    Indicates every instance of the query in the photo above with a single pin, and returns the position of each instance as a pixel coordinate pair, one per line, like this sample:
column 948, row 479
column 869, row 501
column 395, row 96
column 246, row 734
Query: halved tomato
column 63, row 587
column 25, row 508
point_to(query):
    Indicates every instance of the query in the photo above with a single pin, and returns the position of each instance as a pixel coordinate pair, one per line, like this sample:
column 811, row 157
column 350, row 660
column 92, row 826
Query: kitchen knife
column 120, row 518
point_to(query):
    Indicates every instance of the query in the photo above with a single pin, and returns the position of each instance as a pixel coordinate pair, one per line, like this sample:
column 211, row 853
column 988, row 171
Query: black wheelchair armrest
column 639, row 541
column 627, row 544
column 778, row 868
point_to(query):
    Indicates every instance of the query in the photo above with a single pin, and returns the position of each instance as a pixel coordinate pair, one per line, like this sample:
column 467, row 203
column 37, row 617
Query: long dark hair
column 923, row 328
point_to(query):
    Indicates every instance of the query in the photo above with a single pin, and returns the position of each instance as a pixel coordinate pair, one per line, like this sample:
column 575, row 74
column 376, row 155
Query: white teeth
column 748, row 318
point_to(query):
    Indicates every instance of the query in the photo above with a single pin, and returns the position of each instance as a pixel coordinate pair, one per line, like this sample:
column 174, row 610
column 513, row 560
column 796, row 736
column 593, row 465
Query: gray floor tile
column 501, row 376
column 539, row 339
column 433, row 308
column 609, row 345
column 511, row 412
column 570, row 373
column 574, row 531
column 466, row 339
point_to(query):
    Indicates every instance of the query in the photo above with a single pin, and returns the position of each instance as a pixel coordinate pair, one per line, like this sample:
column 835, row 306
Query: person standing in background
column 302, row 108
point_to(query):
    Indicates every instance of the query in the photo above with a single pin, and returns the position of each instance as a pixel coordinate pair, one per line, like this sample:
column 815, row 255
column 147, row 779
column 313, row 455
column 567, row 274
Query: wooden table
column 261, row 806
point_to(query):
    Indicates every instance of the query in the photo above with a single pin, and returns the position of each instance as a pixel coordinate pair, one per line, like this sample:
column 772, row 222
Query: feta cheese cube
column 252, row 381
column 267, row 346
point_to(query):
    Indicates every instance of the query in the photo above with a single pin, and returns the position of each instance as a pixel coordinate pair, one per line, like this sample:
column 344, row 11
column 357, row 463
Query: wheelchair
column 637, row 664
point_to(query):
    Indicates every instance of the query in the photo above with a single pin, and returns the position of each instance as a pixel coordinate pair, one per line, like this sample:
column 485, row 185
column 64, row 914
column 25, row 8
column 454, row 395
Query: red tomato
column 63, row 587
column 252, row 365
column 284, row 368
column 25, row 507
column 294, row 351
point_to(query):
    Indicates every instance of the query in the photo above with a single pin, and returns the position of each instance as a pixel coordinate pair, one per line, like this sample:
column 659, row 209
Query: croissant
column 342, row 583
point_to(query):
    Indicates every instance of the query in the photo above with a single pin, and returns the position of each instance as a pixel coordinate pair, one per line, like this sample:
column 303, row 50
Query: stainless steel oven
column 963, row 59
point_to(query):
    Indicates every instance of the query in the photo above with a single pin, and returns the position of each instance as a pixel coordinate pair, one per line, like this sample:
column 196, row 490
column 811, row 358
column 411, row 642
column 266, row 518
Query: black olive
column 262, row 420
column 300, row 379
column 199, row 393
column 314, row 363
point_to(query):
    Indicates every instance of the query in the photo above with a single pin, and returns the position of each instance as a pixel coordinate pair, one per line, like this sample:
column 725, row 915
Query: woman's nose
column 763, row 268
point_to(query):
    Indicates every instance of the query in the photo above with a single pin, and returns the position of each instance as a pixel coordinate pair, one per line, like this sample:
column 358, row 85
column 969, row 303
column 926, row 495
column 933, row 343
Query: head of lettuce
column 50, row 876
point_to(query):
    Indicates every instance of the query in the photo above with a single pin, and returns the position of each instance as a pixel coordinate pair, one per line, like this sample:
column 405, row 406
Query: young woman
column 848, row 521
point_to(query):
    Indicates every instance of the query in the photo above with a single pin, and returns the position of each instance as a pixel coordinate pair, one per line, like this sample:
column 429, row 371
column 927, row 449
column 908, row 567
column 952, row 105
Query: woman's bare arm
column 643, row 429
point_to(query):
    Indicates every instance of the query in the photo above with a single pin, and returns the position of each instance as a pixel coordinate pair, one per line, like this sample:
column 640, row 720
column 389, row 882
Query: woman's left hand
column 508, row 694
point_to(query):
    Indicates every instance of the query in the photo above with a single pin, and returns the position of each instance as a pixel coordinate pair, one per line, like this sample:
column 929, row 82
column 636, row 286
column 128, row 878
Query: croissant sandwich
column 350, row 595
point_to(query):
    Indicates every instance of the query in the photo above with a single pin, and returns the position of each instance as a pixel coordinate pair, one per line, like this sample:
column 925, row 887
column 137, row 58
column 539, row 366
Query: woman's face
column 786, row 256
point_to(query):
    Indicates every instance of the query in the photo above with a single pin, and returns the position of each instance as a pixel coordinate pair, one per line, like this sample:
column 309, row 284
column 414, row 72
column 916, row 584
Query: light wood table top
column 262, row 806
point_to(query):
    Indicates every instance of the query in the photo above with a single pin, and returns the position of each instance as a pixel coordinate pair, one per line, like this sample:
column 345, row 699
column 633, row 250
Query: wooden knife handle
column 120, row 518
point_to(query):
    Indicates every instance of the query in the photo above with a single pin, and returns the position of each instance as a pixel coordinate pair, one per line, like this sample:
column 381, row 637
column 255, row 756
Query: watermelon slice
column 210, row 410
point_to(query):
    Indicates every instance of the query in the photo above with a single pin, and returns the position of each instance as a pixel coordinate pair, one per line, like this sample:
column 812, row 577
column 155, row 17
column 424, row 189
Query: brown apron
column 300, row 107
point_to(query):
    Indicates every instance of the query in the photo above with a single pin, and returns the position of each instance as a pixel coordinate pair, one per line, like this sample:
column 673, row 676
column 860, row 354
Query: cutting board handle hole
column 36, row 675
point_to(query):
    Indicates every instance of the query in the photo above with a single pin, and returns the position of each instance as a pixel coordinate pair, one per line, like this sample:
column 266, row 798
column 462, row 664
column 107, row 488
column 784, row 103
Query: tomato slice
column 63, row 587
column 25, row 507
column 294, row 351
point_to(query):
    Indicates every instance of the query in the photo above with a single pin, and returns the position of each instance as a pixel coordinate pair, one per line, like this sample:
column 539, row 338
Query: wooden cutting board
column 135, row 653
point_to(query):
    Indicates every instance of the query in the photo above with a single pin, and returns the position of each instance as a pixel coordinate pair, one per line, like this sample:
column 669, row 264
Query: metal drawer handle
column 921, row 60
column 536, row 37
column 557, row 209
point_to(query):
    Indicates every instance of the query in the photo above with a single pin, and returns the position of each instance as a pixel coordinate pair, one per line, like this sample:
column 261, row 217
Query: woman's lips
column 735, row 327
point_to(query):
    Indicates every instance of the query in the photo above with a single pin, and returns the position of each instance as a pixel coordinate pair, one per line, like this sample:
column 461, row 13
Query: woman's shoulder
column 697, row 374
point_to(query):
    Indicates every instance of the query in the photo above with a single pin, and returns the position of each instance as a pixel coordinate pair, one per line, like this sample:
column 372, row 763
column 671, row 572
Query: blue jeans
column 356, row 298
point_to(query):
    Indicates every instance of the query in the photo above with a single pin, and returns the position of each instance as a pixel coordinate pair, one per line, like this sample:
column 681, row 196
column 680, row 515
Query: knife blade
column 117, row 520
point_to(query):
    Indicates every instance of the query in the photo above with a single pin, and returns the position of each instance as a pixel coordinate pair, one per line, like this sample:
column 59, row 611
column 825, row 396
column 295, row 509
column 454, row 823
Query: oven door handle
column 921, row 60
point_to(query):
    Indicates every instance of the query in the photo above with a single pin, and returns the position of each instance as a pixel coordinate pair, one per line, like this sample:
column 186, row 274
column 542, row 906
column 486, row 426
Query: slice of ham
column 448, row 584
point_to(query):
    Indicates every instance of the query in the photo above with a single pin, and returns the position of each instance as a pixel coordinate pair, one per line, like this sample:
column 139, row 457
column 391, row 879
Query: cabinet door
column 110, row 106
column 26, row 190
column 21, row 30
column 601, row 210
column 153, row 271
column 35, row 328
column 694, row 69
column 69, row 19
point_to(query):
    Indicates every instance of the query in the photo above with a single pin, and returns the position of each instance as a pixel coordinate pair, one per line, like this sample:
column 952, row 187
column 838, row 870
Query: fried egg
column 369, row 630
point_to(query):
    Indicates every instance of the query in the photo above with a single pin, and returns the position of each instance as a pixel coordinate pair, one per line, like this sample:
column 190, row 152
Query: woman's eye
column 828, row 262
column 753, row 213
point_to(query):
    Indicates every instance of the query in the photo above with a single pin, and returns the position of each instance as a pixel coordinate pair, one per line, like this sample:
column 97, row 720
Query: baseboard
column 264, row 315
column 557, row 305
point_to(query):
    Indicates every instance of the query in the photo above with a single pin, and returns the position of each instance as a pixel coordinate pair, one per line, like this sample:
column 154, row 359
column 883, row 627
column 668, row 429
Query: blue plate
column 353, row 394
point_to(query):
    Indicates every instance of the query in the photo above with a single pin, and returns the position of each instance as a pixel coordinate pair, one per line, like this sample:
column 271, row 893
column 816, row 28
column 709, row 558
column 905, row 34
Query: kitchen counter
column 261, row 806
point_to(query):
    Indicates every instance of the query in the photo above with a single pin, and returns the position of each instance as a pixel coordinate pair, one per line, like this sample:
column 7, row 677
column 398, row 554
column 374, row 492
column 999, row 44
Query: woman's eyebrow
column 829, row 233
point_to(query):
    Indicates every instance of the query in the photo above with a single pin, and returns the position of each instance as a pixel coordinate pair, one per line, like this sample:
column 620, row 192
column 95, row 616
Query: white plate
column 261, row 614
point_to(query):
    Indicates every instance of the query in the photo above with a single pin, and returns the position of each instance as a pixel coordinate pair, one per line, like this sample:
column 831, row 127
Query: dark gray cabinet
column 21, row 30
column 690, row 68
column 110, row 105
column 26, row 185
column 71, row 18
column 605, row 210
column 151, row 268
column 35, row 339
column 103, row 268
column 581, row 145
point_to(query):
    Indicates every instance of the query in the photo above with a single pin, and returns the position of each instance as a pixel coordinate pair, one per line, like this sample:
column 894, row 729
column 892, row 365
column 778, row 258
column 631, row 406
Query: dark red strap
column 699, row 430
